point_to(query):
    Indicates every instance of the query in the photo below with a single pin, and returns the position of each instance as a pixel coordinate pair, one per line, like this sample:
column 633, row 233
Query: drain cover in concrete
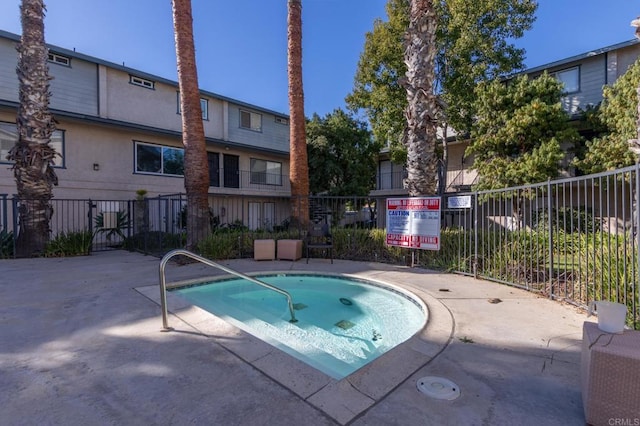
column 438, row 387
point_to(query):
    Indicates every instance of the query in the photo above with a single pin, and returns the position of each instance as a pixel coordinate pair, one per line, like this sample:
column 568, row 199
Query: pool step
column 307, row 342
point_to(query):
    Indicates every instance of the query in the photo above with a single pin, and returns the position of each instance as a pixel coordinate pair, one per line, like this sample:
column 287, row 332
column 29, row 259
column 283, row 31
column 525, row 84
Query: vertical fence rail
column 7, row 237
column 550, row 235
column 4, row 223
column 636, row 273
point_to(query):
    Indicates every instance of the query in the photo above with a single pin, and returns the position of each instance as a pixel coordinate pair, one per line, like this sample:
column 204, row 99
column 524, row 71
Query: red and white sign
column 414, row 222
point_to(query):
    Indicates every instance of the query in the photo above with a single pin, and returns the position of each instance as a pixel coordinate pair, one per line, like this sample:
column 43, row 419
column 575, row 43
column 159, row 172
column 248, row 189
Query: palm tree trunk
column 196, row 168
column 33, row 156
column 420, row 136
column 299, row 167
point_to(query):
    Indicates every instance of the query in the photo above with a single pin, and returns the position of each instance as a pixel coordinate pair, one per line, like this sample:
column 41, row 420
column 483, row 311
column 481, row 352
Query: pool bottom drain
column 438, row 387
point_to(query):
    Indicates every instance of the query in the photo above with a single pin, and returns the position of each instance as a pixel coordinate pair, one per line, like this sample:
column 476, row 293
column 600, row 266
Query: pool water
column 343, row 322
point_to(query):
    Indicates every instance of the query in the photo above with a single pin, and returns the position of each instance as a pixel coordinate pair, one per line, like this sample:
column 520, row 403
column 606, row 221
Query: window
column 231, row 171
column 9, row 137
column 570, row 78
column 142, row 82
column 213, row 158
column 204, row 106
column 251, row 121
column 266, row 172
column 282, row 120
column 59, row 59
column 385, row 175
column 157, row 159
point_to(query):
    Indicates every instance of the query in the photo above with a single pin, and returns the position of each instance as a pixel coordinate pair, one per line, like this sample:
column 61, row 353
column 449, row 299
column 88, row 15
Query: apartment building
column 119, row 131
column 583, row 76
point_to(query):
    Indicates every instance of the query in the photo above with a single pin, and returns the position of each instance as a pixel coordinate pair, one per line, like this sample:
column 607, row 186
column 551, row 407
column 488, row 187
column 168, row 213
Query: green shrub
column 567, row 219
column 6, row 244
column 70, row 244
column 122, row 223
column 223, row 245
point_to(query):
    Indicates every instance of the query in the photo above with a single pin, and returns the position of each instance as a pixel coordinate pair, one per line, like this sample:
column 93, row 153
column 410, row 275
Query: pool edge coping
column 344, row 399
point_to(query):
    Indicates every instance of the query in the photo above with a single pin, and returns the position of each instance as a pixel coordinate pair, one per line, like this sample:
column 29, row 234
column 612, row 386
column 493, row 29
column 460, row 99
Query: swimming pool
column 343, row 322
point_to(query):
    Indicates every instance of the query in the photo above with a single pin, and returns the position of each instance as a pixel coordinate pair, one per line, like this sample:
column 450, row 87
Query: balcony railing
column 460, row 180
column 232, row 180
column 393, row 180
column 456, row 180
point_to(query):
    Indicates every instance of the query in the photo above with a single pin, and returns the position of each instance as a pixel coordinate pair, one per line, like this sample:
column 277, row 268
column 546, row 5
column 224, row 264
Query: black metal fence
column 156, row 225
column 574, row 239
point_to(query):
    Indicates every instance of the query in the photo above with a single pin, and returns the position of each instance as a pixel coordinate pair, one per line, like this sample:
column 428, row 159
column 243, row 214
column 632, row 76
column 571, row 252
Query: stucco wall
column 112, row 149
column 157, row 107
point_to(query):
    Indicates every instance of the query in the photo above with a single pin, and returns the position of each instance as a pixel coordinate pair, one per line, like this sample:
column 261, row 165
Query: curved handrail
column 163, row 283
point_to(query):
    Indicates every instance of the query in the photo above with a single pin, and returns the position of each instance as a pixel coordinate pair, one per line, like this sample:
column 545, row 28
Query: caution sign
column 414, row 222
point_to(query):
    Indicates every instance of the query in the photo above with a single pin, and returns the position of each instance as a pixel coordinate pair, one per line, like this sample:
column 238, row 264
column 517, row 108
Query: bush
column 6, row 244
column 222, row 245
column 567, row 219
column 122, row 223
column 70, row 244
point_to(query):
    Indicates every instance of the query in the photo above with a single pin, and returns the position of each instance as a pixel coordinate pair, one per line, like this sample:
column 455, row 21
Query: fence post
column 636, row 284
column 4, row 213
column 131, row 216
column 475, row 235
column 14, row 215
column 550, row 219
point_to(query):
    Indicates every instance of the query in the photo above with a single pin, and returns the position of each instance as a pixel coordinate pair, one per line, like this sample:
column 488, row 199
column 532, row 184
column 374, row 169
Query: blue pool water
column 343, row 322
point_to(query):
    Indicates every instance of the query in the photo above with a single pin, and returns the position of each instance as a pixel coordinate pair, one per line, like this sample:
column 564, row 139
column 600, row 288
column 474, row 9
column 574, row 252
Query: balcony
column 390, row 183
column 461, row 180
column 247, row 182
column 456, row 181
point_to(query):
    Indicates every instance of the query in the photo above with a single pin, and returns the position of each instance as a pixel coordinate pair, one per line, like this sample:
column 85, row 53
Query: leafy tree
column 376, row 85
column 196, row 167
column 474, row 39
column 618, row 113
column 32, row 155
column 298, row 168
column 520, row 127
column 475, row 44
column 342, row 155
column 422, row 108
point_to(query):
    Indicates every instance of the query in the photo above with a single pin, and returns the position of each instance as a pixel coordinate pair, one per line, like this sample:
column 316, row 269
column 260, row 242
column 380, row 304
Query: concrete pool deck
column 81, row 344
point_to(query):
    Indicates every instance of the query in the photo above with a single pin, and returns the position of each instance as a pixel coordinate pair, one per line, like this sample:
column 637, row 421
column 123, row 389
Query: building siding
column 74, row 88
column 273, row 135
column 8, row 76
column 593, row 75
column 135, row 104
column 102, row 115
column 112, row 149
column 97, row 88
column 626, row 57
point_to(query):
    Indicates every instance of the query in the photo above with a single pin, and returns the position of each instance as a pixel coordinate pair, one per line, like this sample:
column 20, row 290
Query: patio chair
column 319, row 237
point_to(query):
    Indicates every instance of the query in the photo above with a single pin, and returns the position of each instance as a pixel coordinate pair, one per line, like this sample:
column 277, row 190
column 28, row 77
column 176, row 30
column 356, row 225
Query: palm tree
column 33, row 156
column 422, row 108
column 196, row 169
column 299, row 167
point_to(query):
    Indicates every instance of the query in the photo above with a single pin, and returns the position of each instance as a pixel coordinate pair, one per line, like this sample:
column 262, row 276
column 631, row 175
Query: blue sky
column 241, row 44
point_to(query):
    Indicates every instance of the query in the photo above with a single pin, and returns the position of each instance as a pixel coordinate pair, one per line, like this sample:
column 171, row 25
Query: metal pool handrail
column 163, row 283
